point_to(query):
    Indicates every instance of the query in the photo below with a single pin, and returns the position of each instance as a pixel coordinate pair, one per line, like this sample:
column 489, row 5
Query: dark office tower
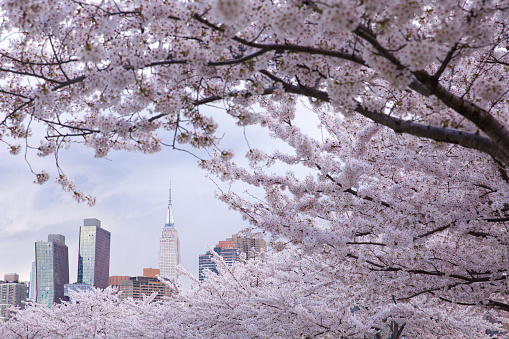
column 94, row 254
column 52, row 269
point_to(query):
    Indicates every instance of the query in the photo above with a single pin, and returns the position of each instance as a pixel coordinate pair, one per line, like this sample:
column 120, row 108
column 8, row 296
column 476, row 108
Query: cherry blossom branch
column 442, row 134
column 465, row 139
column 501, row 219
column 31, row 74
column 28, row 62
column 285, row 47
column 495, row 130
column 436, row 230
column 445, row 63
column 480, row 117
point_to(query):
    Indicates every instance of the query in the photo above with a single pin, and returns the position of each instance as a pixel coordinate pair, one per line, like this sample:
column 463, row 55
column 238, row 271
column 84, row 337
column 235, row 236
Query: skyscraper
column 52, row 269
column 94, row 254
column 32, row 292
column 169, row 247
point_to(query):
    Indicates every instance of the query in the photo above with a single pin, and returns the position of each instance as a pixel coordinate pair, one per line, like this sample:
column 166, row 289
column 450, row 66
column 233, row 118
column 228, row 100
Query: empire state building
column 169, row 247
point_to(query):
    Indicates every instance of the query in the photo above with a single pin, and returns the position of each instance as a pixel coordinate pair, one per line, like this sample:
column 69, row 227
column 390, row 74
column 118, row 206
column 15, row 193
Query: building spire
column 169, row 219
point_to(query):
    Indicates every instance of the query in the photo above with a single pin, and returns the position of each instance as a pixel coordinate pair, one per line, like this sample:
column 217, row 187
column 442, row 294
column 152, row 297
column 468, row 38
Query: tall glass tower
column 169, row 247
column 52, row 269
column 32, row 291
column 94, row 254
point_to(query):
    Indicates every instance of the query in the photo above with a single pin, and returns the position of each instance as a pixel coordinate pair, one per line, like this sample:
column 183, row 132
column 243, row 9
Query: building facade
column 12, row 294
column 116, row 279
column 151, row 272
column 140, row 287
column 249, row 244
column 226, row 250
column 52, row 269
column 11, row 277
column 169, row 247
column 94, row 254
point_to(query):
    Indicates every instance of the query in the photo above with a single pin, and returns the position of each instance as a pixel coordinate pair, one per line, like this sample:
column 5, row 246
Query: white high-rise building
column 169, row 247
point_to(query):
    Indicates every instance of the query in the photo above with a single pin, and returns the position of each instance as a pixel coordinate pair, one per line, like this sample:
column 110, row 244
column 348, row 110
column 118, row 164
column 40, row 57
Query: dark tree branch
column 14, row 94
column 31, row 63
column 439, row 229
column 351, row 191
column 365, row 243
column 442, row 134
column 498, row 305
column 431, row 290
column 444, row 64
column 502, row 170
column 501, row 219
column 495, row 130
column 70, row 82
column 238, row 60
column 31, row 74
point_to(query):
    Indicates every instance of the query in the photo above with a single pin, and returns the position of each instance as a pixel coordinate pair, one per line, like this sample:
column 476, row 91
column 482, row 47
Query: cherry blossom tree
column 280, row 295
column 95, row 314
column 405, row 189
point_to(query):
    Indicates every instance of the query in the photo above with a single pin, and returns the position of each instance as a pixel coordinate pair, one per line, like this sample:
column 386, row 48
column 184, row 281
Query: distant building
column 116, row 279
column 169, row 247
column 12, row 294
column 94, row 254
column 225, row 249
column 32, row 286
column 138, row 287
column 249, row 244
column 52, row 269
column 11, row 277
column 230, row 250
column 151, row 272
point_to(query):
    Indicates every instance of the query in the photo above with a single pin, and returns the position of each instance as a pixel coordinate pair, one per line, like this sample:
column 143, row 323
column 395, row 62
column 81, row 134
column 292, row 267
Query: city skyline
column 131, row 197
column 131, row 190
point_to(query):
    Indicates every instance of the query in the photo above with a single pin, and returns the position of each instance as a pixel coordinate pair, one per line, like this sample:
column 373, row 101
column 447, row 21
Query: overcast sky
column 132, row 198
